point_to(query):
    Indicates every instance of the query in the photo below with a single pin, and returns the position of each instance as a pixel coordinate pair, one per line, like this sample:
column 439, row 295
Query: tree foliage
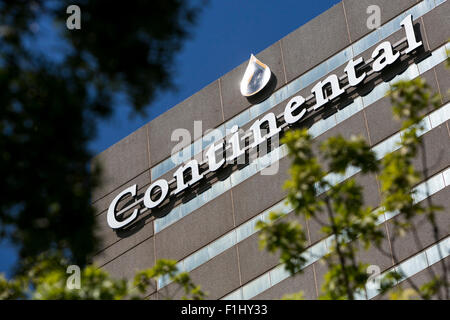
column 48, row 279
column 52, row 96
column 339, row 207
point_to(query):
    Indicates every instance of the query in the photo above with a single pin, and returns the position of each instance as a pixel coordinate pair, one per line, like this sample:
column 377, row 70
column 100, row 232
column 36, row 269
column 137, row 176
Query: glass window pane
column 246, row 229
column 414, row 265
column 390, row 214
column 366, row 42
column 390, row 27
column 294, row 87
column 318, row 250
column 387, row 146
column 321, row 126
column 425, row 123
column 196, row 259
column 240, row 120
column 314, row 74
column 168, row 219
column 439, row 116
column 373, row 287
column 447, row 177
column 339, row 59
column 255, row 287
column 236, row 295
column 360, row 295
column 433, row 185
column 163, row 281
column 213, row 136
column 351, row 171
column 376, row 94
column 278, row 274
column 421, row 8
column 380, row 213
column 433, row 254
column 222, row 244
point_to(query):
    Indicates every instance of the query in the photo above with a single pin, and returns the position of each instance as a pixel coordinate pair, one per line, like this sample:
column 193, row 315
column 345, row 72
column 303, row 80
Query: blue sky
column 226, row 32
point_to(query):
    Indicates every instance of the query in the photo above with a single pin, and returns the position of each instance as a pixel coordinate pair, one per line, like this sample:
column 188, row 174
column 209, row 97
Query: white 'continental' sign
column 383, row 55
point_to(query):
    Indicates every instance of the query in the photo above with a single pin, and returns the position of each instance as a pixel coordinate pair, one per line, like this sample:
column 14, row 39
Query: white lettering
column 350, row 70
column 387, row 56
column 179, row 175
column 163, row 186
column 111, row 216
column 293, row 104
column 318, row 90
column 256, row 128
column 413, row 44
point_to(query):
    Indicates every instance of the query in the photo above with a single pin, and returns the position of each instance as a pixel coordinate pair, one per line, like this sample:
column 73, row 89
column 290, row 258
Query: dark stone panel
column 253, row 260
column 371, row 198
column 437, row 144
column 114, row 243
column 406, row 246
column 315, row 41
column 371, row 194
column 233, row 101
column 430, row 79
column 122, row 162
column 126, row 265
column 380, row 120
column 443, row 76
column 217, row 277
column 380, row 257
column 356, row 11
column 259, row 192
column 203, row 106
column 353, row 126
column 315, row 225
column 103, row 204
column 303, row 281
column 437, row 25
column 196, row 229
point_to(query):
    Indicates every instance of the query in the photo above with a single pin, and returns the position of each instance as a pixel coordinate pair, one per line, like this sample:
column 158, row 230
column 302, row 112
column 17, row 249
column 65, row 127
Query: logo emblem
column 256, row 77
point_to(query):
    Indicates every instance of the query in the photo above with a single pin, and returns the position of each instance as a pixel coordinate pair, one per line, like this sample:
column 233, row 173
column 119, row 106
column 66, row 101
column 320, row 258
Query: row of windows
column 316, row 129
column 295, row 86
column 248, row 228
column 317, row 251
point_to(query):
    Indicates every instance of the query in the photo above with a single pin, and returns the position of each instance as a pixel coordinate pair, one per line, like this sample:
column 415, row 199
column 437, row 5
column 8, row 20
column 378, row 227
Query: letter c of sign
column 112, row 219
column 163, row 186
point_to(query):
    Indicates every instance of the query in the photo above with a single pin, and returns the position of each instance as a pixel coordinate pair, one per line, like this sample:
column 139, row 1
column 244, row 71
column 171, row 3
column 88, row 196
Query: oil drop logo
column 256, row 77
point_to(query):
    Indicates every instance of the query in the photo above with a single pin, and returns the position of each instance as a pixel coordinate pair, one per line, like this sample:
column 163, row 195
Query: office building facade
column 148, row 210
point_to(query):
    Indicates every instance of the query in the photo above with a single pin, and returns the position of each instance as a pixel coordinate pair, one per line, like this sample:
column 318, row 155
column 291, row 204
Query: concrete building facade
column 209, row 227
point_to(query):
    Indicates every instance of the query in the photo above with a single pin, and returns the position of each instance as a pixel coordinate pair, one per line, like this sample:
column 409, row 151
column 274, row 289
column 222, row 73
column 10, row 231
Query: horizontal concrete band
column 293, row 87
column 317, row 129
column 242, row 232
